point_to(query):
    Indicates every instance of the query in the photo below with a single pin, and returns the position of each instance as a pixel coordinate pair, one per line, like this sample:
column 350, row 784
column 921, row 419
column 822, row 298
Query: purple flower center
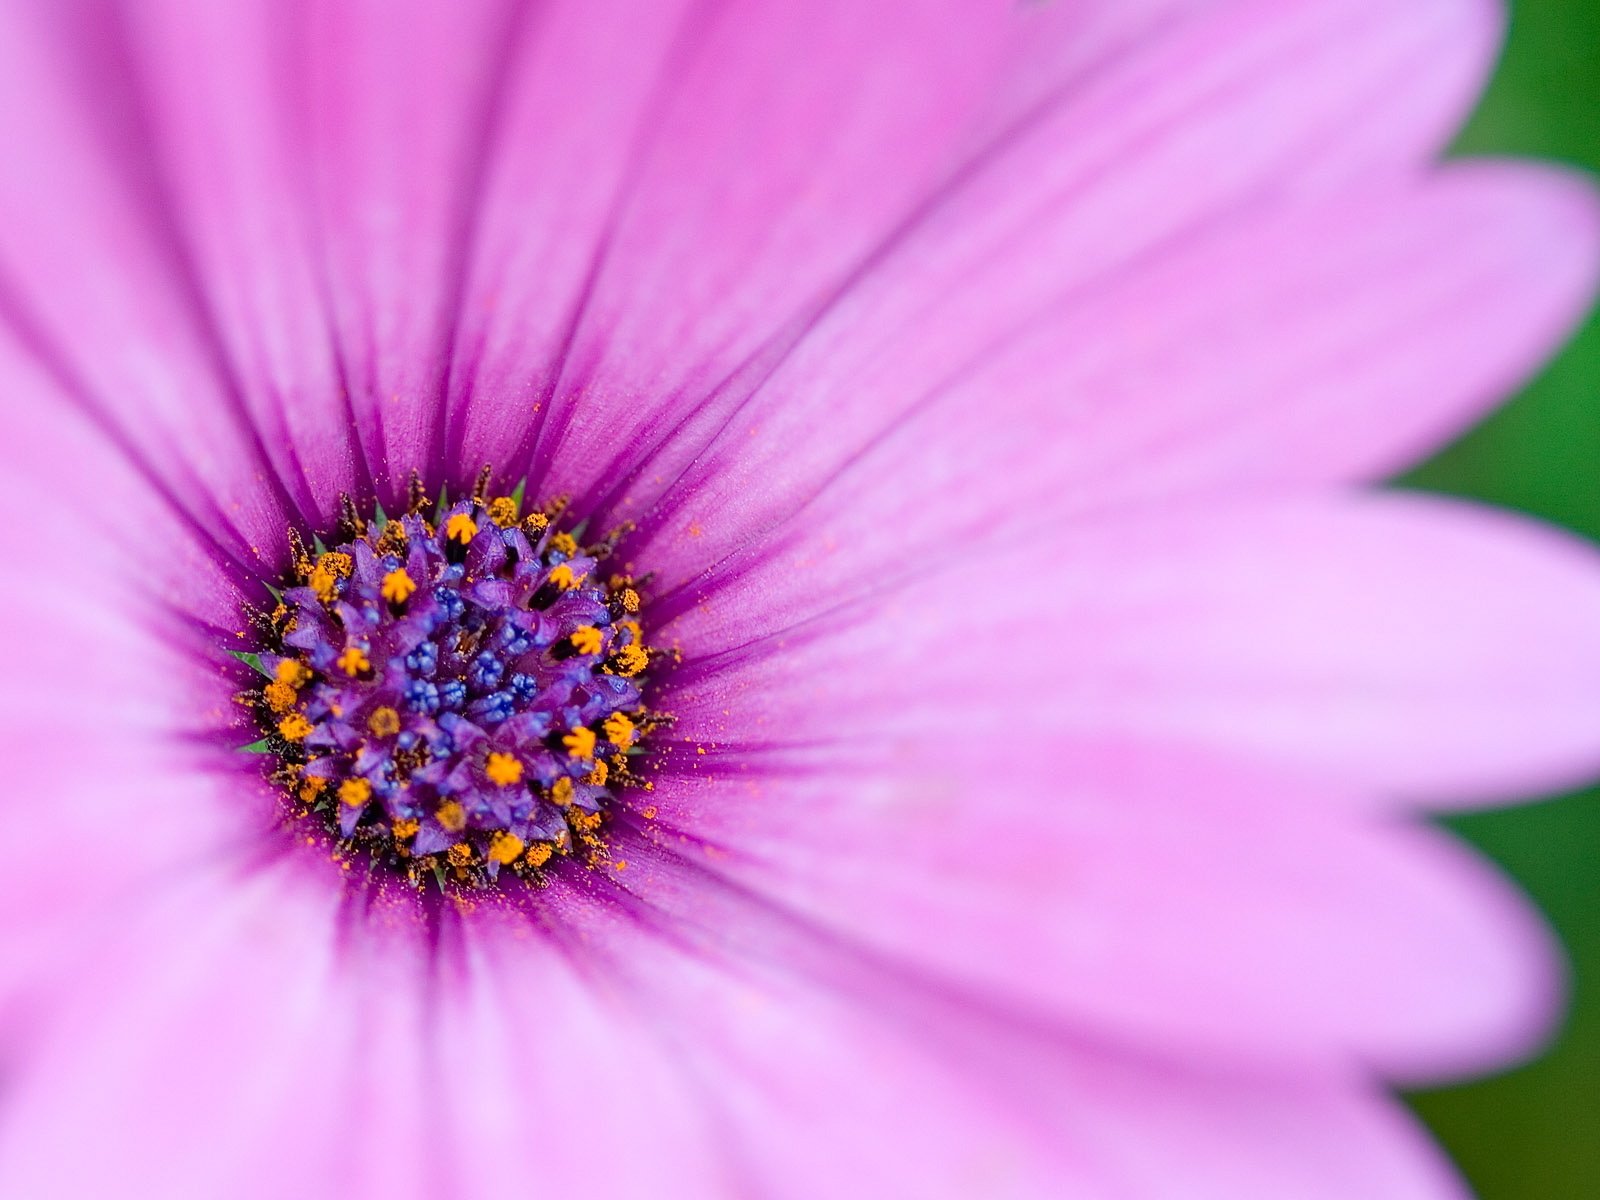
column 455, row 697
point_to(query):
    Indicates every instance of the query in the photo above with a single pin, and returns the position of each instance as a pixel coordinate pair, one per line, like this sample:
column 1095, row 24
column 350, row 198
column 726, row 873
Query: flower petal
column 1177, row 902
column 1313, row 343
column 907, row 1093
column 1224, row 114
column 1410, row 648
column 185, row 1043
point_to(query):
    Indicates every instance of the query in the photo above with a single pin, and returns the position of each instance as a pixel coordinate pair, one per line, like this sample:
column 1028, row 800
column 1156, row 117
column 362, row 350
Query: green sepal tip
column 251, row 660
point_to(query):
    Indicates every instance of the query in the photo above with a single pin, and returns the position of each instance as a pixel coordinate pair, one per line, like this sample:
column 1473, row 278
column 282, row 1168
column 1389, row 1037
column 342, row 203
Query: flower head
column 762, row 598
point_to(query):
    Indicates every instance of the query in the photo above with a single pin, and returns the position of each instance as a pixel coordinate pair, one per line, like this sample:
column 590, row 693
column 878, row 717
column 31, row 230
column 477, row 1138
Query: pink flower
column 1015, row 709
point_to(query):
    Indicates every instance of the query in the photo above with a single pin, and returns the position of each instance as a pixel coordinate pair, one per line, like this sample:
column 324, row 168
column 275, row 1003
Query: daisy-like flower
column 773, row 598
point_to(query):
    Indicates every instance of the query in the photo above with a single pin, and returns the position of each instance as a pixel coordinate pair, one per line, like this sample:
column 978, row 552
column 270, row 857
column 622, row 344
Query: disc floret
column 455, row 695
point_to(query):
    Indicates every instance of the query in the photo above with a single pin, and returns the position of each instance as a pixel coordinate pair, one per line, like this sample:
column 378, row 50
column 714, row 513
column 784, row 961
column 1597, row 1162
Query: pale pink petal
column 1405, row 648
column 708, row 271
column 611, row 291
column 914, row 1092
column 200, row 1047
column 1218, row 1139
column 354, row 248
column 1172, row 901
column 95, row 283
column 1317, row 342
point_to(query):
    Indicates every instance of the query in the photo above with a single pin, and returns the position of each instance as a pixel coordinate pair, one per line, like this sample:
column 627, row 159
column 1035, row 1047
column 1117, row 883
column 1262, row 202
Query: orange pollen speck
column 505, row 847
column 461, row 528
column 353, row 793
column 324, row 583
column 460, row 854
column 451, row 816
column 586, row 639
column 503, row 511
column 294, row 727
column 503, row 770
column 561, row 792
column 405, row 828
column 580, row 743
column 562, row 577
column 384, row 722
column 619, row 730
column 292, row 673
column 538, row 854
column 354, row 661
column 597, row 777
column 630, row 660
column 397, row 586
column 564, row 543
column 279, row 696
column 630, row 600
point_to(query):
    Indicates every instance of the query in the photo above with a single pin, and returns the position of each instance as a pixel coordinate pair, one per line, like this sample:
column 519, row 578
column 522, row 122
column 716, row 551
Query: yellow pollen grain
column 561, row 792
column 505, row 847
column 561, row 577
column 536, row 523
column 292, row 673
column 384, row 722
column 338, row 562
column 630, row 660
column 564, row 543
column 538, row 854
column 460, row 855
column 397, row 586
column 503, row 770
column 354, row 661
column 503, row 511
column 597, row 777
column 312, row 786
column 451, row 816
column 294, row 727
column 405, row 828
column 461, row 528
column 353, row 793
column 580, row 743
column 619, row 730
column 630, row 600
column 584, row 822
column 650, row 811
column 393, row 539
column 586, row 639
column 279, row 696
column 324, row 583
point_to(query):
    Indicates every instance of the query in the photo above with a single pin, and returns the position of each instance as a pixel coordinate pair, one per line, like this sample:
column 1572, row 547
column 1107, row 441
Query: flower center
column 456, row 697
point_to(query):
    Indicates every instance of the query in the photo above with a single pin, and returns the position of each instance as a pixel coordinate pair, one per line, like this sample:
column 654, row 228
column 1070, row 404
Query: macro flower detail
column 454, row 695
column 927, row 699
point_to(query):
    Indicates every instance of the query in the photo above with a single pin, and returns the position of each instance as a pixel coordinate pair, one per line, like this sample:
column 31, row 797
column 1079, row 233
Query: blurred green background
column 1534, row 1134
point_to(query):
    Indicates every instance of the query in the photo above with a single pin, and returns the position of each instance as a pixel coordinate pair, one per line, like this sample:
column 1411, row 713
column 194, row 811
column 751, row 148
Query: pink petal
column 293, row 304
column 1406, row 648
column 1225, row 115
column 1312, row 343
column 639, row 240
column 198, row 1046
column 1179, row 903
column 901, row 1094
column 1223, row 1140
